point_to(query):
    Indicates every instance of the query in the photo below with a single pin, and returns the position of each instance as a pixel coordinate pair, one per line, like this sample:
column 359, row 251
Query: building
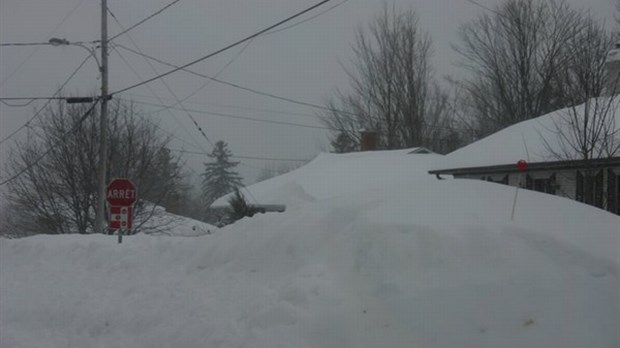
column 555, row 146
column 594, row 182
column 555, row 165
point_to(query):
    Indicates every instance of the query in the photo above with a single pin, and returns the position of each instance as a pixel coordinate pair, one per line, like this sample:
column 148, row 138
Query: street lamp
column 103, row 148
column 64, row 42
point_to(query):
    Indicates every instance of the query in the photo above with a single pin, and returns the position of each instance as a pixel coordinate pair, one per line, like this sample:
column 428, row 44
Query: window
column 546, row 185
column 613, row 191
column 503, row 180
column 590, row 188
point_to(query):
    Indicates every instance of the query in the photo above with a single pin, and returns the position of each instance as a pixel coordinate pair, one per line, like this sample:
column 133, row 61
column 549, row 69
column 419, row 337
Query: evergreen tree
column 219, row 178
column 239, row 208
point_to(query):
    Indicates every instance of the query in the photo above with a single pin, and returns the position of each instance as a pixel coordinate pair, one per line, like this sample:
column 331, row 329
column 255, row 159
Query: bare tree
column 586, row 132
column 524, row 61
column 57, row 193
column 617, row 18
column 393, row 91
column 588, row 128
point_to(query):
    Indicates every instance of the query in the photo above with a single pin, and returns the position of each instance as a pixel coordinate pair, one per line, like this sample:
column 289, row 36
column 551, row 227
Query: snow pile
column 404, row 260
column 529, row 140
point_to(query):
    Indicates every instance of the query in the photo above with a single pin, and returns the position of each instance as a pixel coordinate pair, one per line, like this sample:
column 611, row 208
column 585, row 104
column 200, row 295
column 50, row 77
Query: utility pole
column 103, row 125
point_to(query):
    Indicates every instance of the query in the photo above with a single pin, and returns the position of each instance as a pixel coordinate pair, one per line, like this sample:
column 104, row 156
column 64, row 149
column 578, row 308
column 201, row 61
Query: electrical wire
column 247, row 157
column 219, row 114
column 485, row 7
column 153, row 92
column 17, row 105
column 60, row 140
column 248, row 89
column 206, row 153
column 238, row 42
column 250, row 41
column 43, row 43
column 4, row 44
column 305, row 20
column 23, row 62
column 172, row 134
column 194, row 143
column 204, row 135
column 220, row 105
column 216, row 75
column 144, row 20
column 49, row 100
column 31, row 98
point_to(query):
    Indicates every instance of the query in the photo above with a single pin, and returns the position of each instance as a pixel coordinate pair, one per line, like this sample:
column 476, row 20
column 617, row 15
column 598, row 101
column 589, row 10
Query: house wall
column 565, row 181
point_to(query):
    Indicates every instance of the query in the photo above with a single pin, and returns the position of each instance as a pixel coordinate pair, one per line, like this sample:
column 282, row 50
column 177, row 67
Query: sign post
column 521, row 167
column 121, row 195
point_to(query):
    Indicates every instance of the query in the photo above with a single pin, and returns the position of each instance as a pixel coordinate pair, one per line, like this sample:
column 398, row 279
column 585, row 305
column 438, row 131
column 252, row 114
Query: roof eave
column 536, row 166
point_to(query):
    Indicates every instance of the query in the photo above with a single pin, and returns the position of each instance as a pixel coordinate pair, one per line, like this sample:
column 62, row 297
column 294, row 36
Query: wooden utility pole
column 103, row 125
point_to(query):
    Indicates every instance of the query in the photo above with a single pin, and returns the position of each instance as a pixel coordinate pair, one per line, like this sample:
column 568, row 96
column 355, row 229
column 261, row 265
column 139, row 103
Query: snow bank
column 410, row 262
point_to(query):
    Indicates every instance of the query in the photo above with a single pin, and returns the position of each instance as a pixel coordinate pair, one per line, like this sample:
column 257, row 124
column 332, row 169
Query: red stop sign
column 121, row 192
column 522, row 165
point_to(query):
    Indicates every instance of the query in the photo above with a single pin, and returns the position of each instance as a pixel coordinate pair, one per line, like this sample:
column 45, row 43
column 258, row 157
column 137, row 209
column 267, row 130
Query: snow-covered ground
column 371, row 252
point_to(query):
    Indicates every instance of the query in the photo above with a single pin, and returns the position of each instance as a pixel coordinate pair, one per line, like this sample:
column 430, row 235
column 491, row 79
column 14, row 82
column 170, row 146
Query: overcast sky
column 302, row 63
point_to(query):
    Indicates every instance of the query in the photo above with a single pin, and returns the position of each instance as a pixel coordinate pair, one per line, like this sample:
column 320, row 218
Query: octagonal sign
column 121, row 192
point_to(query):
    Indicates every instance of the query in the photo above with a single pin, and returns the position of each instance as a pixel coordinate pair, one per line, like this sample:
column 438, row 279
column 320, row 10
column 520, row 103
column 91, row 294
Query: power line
column 173, row 116
column 196, row 144
column 250, row 37
column 31, row 98
column 247, row 157
column 144, row 20
column 273, row 159
column 16, row 105
column 169, row 133
column 4, row 44
column 43, row 43
column 206, row 153
column 485, row 7
column 220, row 105
column 49, row 100
column 150, row 89
column 181, row 101
column 23, row 62
column 217, row 74
column 60, row 140
column 285, row 123
column 218, row 114
column 306, row 20
column 248, row 89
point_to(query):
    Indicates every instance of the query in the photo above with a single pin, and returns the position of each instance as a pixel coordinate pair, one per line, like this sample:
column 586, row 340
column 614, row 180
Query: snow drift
column 403, row 260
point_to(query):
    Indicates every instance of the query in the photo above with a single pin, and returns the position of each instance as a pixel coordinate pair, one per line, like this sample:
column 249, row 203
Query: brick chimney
column 369, row 141
column 612, row 73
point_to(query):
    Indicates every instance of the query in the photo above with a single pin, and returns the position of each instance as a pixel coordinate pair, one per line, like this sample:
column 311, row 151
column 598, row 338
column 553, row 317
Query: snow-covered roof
column 534, row 140
column 330, row 175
